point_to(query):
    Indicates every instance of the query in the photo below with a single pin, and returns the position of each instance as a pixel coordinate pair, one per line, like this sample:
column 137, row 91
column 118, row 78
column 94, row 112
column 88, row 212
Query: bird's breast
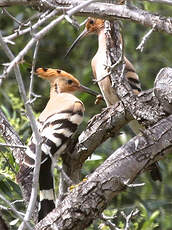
column 99, row 66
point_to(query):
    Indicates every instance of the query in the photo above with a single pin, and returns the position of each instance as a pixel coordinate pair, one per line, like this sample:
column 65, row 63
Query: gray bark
column 84, row 203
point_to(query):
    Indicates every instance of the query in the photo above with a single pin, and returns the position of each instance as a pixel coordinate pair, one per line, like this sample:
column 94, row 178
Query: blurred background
column 154, row 200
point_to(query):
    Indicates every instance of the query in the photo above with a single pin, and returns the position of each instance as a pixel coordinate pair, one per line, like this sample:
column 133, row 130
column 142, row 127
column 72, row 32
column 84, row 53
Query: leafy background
column 154, row 198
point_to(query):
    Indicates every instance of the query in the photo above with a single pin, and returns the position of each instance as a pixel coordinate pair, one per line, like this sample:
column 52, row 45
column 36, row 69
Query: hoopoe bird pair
column 64, row 112
column 57, row 123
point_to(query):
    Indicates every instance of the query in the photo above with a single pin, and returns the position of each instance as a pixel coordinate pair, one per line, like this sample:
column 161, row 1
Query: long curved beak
column 83, row 88
column 83, row 34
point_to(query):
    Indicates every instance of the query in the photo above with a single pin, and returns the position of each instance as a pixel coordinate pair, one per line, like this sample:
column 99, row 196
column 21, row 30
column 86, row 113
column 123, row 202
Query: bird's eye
column 69, row 82
column 91, row 21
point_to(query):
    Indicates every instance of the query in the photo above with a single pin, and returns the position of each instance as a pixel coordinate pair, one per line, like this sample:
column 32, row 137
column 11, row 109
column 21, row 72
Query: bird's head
column 93, row 25
column 62, row 82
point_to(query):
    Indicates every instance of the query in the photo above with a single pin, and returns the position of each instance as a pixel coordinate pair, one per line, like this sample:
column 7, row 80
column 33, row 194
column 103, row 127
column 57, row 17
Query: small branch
column 43, row 18
column 64, row 175
column 126, row 183
column 11, row 16
column 107, row 221
column 32, row 73
column 32, row 201
column 40, row 34
column 13, row 146
column 15, row 211
column 128, row 218
column 145, row 38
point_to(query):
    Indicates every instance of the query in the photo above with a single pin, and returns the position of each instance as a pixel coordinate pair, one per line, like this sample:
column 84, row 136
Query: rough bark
column 84, row 203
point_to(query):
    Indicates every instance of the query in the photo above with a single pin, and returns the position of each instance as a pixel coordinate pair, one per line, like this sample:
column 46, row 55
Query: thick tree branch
column 85, row 203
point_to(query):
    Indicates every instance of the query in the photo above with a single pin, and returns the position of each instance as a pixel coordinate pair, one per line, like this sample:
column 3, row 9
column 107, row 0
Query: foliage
column 154, row 199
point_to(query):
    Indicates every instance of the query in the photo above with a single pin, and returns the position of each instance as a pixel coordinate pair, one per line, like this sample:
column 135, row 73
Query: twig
column 33, row 198
column 15, row 211
column 108, row 222
column 42, row 33
column 128, row 218
column 65, row 176
column 72, row 21
column 83, row 23
column 110, row 68
column 48, row 4
column 17, row 201
column 32, row 73
column 145, row 38
column 11, row 16
column 13, row 146
column 42, row 20
column 9, row 209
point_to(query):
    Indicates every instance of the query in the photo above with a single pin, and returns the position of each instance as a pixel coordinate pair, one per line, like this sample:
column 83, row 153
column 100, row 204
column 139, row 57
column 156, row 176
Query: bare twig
column 43, row 18
column 132, row 185
column 11, row 16
column 35, row 131
column 65, row 176
column 32, row 74
column 108, row 222
column 145, row 38
column 42, row 33
column 15, row 211
column 128, row 218
column 13, row 146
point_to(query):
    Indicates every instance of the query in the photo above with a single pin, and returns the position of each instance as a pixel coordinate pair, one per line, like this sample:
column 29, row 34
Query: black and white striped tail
column 46, row 186
column 55, row 132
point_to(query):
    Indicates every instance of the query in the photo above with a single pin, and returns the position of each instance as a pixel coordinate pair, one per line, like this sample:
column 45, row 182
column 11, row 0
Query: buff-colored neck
column 101, row 40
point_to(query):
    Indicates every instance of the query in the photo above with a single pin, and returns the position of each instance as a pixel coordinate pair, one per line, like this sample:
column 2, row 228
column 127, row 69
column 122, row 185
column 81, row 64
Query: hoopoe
column 99, row 63
column 57, row 123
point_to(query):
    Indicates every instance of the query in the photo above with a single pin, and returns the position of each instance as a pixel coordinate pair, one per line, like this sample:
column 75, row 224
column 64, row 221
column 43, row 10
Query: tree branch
column 85, row 203
column 41, row 34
